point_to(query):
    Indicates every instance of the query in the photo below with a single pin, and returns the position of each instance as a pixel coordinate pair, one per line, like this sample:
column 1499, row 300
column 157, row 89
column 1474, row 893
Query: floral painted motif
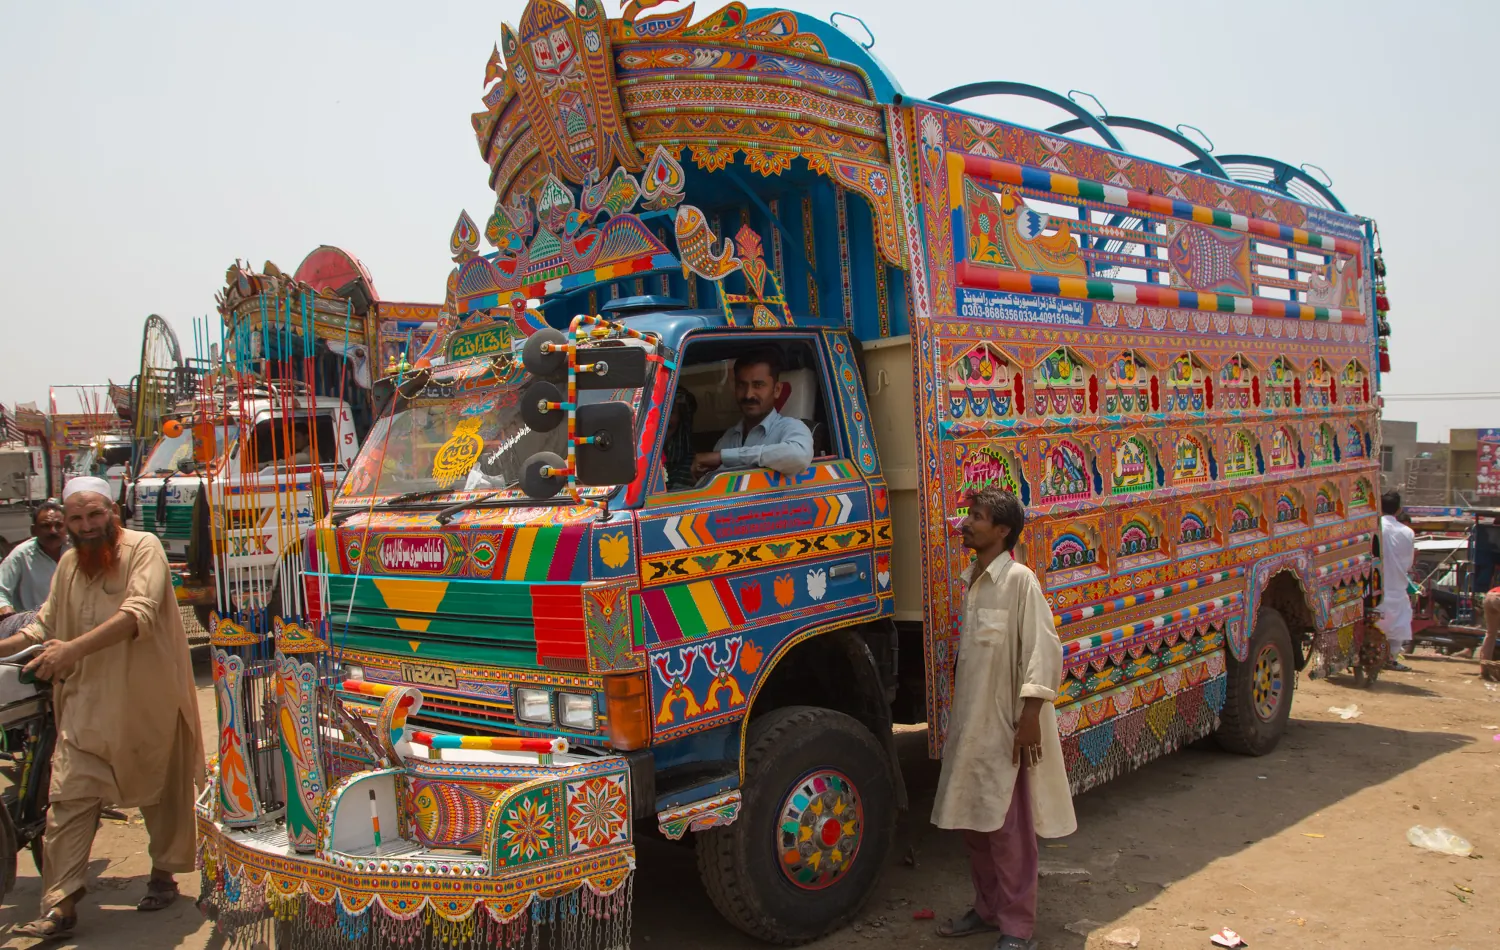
column 529, row 829
column 598, row 814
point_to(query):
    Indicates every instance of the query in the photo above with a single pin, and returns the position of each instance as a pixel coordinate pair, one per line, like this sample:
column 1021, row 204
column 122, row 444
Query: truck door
column 740, row 562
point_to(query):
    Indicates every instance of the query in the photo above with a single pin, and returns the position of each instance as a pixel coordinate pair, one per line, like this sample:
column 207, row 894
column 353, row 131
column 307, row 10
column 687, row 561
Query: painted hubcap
column 820, row 825
column 1269, row 683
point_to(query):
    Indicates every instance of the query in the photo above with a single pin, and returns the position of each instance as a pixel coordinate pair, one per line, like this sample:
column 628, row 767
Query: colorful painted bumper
column 478, row 844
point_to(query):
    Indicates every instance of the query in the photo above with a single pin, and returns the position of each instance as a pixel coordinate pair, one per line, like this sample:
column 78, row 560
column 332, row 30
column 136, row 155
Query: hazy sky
column 145, row 146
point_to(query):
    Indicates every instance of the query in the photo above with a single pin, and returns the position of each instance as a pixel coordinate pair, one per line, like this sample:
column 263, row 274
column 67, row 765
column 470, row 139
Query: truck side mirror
column 612, row 367
column 204, row 443
column 544, row 356
column 540, row 406
column 542, row 477
column 609, row 459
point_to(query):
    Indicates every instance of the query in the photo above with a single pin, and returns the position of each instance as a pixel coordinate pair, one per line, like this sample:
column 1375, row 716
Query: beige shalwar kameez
column 1008, row 651
column 127, row 715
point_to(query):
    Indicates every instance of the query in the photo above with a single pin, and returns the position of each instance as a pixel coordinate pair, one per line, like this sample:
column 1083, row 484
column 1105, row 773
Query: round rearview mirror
column 542, row 477
column 544, row 354
column 535, row 412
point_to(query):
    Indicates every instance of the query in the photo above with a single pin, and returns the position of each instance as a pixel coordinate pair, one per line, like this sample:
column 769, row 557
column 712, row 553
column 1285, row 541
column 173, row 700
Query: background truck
column 23, row 484
column 25, row 472
column 1174, row 367
column 221, row 485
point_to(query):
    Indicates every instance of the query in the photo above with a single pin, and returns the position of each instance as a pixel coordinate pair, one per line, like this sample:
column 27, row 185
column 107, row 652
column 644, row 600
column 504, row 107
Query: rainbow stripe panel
column 545, row 554
column 1073, row 647
column 545, row 288
column 686, row 611
column 990, row 277
column 1010, row 173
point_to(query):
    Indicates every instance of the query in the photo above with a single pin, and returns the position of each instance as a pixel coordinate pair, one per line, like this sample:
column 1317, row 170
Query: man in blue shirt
column 764, row 438
column 26, row 573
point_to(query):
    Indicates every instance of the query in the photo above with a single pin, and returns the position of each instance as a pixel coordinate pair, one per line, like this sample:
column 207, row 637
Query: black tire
column 8, row 848
column 1246, row 727
column 741, row 865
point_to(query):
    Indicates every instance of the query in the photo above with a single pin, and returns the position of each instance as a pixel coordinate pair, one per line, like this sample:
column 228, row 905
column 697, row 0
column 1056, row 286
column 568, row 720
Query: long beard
column 96, row 556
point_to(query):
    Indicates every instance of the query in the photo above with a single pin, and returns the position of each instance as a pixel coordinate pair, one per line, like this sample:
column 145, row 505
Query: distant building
column 1418, row 470
column 1463, row 470
column 1426, row 477
column 1398, row 442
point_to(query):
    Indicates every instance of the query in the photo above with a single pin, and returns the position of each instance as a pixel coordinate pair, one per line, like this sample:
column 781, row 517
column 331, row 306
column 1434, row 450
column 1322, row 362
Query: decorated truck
column 299, row 359
column 522, row 646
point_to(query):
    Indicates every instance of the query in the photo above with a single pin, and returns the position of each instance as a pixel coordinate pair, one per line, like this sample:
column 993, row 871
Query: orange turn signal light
column 628, row 705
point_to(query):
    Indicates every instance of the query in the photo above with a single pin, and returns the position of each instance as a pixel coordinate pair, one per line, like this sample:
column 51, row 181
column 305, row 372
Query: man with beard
column 764, row 438
column 114, row 648
column 1003, row 780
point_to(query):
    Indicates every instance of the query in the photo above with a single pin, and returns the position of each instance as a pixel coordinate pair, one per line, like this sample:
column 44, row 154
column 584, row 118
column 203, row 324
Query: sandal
column 966, row 926
column 159, row 895
column 1016, row 943
column 1397, row 667
column 50, row 926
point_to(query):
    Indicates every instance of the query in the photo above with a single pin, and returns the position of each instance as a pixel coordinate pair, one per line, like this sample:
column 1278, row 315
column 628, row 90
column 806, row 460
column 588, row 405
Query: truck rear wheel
column 815, row 827
column 1258, row 701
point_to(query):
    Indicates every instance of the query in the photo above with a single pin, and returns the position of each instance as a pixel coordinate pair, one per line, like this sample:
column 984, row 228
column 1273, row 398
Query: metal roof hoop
column 832, row 18
column 974, row 90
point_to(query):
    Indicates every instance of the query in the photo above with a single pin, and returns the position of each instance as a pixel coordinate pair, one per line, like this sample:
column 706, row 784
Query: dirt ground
column 1304, row 848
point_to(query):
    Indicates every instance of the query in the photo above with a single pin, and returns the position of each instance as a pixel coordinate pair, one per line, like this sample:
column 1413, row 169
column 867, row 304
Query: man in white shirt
column 1003, row 780
column 764, row 438
column 1397, row 550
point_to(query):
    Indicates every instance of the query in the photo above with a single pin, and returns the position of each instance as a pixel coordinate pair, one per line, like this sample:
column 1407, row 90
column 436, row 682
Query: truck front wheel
column 816, row 823
column 1258, row 701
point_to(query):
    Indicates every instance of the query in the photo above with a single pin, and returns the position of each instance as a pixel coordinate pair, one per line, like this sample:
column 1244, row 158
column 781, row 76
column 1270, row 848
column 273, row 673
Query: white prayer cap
column 86, row 483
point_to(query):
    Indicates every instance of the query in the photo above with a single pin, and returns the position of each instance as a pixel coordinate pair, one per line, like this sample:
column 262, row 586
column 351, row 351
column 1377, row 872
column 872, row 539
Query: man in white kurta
column 1397, row 551
column 127, row 715
column 1003, row 780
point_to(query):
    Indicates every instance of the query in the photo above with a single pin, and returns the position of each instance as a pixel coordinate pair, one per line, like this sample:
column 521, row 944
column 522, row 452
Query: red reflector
column 557, row 611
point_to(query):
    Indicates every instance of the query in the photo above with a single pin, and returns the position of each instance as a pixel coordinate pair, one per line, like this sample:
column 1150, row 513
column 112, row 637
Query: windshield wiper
column 343, row 515
column 484, row 501
column 446, row 515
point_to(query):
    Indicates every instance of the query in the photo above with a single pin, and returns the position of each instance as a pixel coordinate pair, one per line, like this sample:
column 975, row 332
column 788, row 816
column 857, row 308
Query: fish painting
column 1023, row 231
column 1210, row 260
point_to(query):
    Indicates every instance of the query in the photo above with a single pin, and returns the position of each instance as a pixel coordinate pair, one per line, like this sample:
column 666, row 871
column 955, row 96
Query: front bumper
column 477, row 852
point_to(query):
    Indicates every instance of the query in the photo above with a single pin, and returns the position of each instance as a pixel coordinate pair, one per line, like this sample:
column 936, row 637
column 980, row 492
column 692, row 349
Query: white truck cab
column 23, row 483
column 264, row 444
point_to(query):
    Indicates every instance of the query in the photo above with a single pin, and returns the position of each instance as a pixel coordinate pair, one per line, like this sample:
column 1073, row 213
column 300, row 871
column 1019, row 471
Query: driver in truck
column 764, row 438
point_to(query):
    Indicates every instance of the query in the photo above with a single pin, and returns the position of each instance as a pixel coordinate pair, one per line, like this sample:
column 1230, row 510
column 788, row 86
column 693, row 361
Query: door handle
column 842, row 570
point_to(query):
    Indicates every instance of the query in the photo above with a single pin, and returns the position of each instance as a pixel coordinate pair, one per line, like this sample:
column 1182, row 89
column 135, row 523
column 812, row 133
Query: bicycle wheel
column 7, row 854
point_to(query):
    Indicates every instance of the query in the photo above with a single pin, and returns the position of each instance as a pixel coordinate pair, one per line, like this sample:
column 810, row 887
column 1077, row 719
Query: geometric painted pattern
column 598, row 813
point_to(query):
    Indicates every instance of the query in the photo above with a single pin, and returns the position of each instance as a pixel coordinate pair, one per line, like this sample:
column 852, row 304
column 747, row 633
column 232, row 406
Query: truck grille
column 178, row 525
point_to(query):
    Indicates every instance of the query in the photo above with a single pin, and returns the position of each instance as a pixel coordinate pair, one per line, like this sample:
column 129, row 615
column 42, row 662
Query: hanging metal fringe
column 247, row 917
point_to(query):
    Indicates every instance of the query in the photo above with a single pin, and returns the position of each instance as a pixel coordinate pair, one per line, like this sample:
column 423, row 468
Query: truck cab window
column 276, row 442
column 776, row 386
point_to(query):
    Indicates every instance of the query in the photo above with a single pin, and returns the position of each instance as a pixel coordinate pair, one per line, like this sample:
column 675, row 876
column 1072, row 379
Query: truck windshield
column 170, row 452
column 473, row 442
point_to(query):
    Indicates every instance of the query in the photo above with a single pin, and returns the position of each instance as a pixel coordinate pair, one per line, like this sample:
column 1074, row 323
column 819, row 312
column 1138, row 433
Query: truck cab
column 107, row 457
column 23, row 484
column 231, row 499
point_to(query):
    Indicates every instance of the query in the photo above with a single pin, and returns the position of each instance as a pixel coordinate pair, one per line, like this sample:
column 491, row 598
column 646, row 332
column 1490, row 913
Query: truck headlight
column 533, row 705
column 576, row 710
